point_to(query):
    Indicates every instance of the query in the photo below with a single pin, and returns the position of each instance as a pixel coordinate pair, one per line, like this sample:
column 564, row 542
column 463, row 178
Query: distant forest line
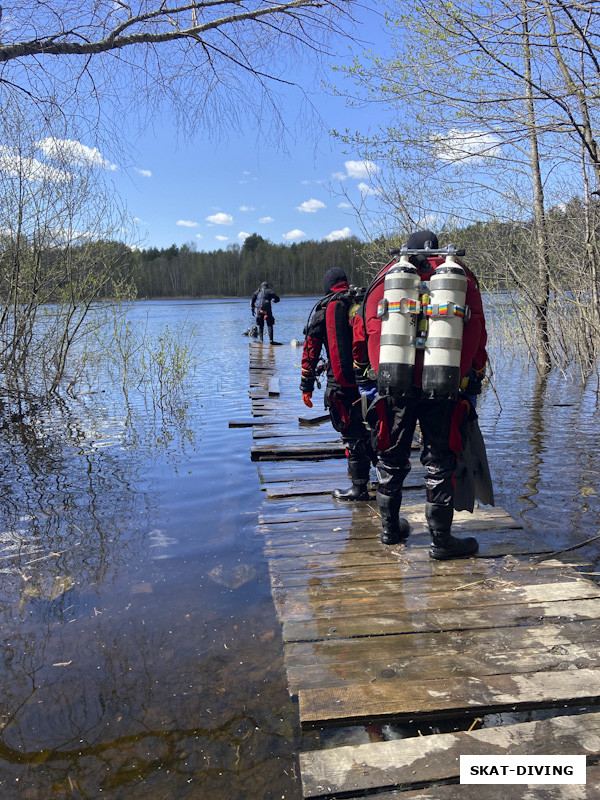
column 295, row 269
column 497, row 252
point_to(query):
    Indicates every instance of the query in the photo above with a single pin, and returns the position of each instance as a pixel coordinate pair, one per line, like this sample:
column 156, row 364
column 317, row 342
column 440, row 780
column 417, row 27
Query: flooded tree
column 58, row 259
column 496, row 121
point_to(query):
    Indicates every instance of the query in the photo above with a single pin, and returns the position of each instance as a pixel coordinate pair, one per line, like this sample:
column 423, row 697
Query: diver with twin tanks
column 419, row 356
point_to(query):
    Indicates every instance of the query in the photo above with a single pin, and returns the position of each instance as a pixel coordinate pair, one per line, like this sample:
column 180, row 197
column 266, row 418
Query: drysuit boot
column 358, row 491
column 270, row 331
column 359, row 475
column 444, row 545
column 395, row 529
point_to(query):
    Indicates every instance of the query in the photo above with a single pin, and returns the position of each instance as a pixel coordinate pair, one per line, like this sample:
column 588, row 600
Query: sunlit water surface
column 141, row 655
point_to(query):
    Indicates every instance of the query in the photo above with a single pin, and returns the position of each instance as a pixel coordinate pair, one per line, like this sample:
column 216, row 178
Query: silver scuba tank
column 447, row 315
column 398, row 311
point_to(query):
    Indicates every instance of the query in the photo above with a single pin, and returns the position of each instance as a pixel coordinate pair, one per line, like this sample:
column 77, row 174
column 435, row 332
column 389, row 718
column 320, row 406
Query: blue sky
column 216, row 189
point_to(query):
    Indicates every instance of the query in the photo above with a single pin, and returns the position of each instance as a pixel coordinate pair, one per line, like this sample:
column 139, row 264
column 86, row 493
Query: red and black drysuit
column 261, row 305
column 330, row 326
column 393, row 418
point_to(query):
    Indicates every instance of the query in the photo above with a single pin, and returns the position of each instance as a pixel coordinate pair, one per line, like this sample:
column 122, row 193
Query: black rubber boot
column 444, row 545
column 395, row 529
column 358, row 472
column 270, row 332
column 358, row 491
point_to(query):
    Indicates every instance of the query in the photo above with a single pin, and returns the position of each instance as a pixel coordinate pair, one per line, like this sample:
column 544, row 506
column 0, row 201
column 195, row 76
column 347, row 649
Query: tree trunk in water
column 541, row 305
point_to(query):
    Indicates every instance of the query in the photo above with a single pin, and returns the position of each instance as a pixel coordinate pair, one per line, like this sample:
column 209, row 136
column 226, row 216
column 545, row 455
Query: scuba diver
column 419, row 353
column 261, row 304
column 331, row 326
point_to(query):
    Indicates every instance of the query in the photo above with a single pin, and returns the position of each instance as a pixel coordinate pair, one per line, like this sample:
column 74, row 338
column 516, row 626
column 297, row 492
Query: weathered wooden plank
column 274, row 387
column 360, row 531
column 423, row 567
column 421, row 760
column 282, row 432
column 591, row 791
column 395, row 588
column 316, row 508
column 251, row 422
column 306, row 488
column 488, row 548
column 285, row 450
column 314, row 420
column 390, row 622
column 452, row 696
column 437, row 655
column 405, row 600
column 340, row 553
column 273, row 471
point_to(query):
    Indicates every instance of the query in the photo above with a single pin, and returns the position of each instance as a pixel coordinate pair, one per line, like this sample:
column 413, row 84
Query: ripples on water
column 141, row 653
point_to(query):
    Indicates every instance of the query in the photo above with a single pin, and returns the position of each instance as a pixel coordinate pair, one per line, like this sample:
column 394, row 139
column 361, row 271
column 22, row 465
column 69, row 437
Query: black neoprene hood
column 418, row 240
column 333, row 276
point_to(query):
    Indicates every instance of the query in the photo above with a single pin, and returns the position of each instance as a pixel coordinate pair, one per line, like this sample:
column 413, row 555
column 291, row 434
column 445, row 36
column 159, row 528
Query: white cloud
column 145, row 173
column 294, row 235
column 467, row 147
column 242, row 236
column 360, row 170
column 220, row 219
column 222, row 238
column 365, row 189
column 265, row 220
column 199, row 236
column 335, row 236
column 344, row 204
column 246, row 208
column 30, row 169
column 186, row 223
column 310, row 206
column 74, row 153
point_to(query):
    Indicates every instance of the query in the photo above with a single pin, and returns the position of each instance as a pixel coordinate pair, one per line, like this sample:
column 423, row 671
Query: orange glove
column 306, row 399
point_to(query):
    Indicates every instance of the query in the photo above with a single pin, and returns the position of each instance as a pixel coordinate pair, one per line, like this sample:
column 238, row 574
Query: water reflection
column 537, row 439
column 141, row 654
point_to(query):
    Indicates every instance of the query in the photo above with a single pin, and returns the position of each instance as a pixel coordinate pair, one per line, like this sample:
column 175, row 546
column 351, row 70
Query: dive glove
column 306, row 399
column 471, row 383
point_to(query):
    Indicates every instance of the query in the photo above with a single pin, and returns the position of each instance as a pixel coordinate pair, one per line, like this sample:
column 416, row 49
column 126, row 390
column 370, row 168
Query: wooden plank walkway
column 378, row 635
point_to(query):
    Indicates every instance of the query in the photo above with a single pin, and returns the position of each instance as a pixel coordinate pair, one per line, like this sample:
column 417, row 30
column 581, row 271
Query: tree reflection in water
column 111, row 677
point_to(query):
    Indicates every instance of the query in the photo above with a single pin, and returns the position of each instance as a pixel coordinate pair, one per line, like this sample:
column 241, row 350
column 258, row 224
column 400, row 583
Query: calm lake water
column 141, row 654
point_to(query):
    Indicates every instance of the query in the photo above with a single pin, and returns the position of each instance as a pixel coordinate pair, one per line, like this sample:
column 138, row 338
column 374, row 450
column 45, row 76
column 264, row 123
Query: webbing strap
column 446, row 310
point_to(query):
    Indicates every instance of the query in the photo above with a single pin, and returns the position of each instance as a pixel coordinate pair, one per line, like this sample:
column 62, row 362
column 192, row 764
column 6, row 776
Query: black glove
column 472, row 381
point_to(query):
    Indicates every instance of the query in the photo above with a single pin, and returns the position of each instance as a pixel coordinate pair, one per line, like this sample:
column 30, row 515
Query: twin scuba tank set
column 422, row 315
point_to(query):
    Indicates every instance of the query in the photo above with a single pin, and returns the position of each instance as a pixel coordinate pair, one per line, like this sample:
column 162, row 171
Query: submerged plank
column 453, row 696
column 422, row 760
